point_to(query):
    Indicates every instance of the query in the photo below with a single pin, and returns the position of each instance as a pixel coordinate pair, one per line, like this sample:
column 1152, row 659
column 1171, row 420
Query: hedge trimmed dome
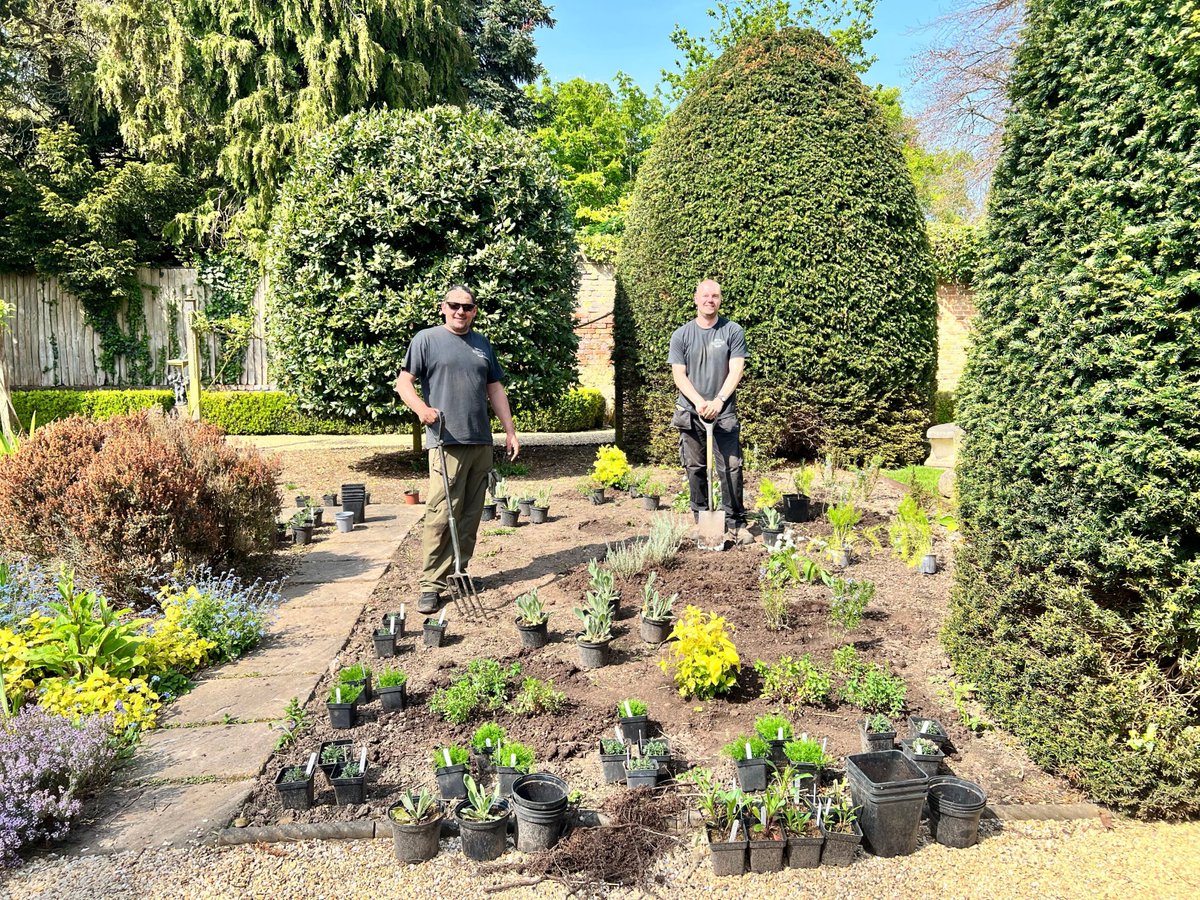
column 383, row 212
column 1076, row 604
column 778, row 177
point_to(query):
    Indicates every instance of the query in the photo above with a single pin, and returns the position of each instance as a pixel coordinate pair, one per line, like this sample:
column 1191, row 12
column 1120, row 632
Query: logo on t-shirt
column 718, row 343
column 479, row 353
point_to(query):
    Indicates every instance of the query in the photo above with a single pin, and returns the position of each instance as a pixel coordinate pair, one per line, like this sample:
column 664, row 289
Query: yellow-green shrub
column 130, row 701
column 612, row 467
column 172, row 646
column 703, row 657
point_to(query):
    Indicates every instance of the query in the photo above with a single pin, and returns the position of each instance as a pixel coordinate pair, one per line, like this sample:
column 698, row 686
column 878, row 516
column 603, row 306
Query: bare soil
column 900, row 630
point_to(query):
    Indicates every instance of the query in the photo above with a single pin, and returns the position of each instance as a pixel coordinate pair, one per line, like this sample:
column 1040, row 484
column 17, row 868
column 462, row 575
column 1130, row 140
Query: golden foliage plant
column 702, row 656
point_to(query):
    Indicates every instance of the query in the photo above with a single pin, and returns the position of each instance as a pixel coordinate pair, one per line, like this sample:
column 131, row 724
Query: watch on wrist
column 722, row 397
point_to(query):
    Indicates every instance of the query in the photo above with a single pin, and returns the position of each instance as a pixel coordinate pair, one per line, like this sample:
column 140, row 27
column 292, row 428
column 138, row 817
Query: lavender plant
column 47, row 764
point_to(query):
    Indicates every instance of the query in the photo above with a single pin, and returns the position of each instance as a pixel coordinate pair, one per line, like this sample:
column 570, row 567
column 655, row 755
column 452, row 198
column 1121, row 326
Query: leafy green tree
column 597, row 136
column 1076, row 601
column 500, row 35
column 381, row 214
column 228, row 90
column 847, row 22
column 778, row 177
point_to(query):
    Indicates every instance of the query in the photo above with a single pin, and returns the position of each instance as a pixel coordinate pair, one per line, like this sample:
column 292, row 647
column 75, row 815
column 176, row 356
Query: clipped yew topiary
column 778, row 177
column 1076, row 604
column 382, row 213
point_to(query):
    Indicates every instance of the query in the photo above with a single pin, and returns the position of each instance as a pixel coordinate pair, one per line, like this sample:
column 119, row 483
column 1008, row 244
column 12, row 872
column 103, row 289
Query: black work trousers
column 727, row 460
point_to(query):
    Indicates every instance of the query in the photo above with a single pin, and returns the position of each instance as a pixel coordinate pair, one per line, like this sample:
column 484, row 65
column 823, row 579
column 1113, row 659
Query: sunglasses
column 460, row 307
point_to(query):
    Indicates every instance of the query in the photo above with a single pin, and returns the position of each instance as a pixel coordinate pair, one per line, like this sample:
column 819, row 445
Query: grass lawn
column 927, row 476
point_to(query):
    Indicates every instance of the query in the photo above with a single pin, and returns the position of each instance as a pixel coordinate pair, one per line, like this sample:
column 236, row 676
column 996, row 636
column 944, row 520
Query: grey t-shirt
column 706, row 353
column 454, row 372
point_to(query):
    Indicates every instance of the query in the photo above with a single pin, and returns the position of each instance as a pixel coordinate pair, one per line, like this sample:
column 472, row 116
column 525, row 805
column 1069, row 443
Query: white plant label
column 393, row 624
column 362, row 761
column 762, row 816
column 733, row 831
column 442, row 617
column 779, row 734
column 401, row 612
column 617, row 732
column 749, row 752
column 338, row 695
column 312, row 761
column 487, row 742
column 446, row 756
column 628, row 710
column 512, row 760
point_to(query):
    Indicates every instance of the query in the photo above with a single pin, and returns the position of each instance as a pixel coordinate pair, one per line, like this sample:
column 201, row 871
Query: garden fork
column 461, row 585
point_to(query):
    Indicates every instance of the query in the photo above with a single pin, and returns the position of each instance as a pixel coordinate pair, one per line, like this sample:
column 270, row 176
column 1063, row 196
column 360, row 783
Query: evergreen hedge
column 1076, row 603
column 778, row 177
column 59, row 403
column 381, row 214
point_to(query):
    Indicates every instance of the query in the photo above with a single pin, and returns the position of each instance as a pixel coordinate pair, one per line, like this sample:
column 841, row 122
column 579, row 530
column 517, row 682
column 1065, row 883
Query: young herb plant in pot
column 525, row 501
column 752, row 756
column 652, row 493
column 614, row 753
column 450, row 769
column 657, row 749
column 721, row 809
column 392, row 689
column 771, row 523
column 593, row 490
column 776, row 731
column 594, row 640
column 796, row 504
column 878, row 733
column 412, row 494
column 332, row 753
column 925, row 753
column 349, row 780
column 510, row 512
column 842, row 519
column 342, row 704
column 657, row 617
column 804, row 840
column 302, row 528
column 807, row 757
column 532, row 620
column 482, row 821
column 416, row 819
column 394, row 621
column 511, row 759
column 540, row 510
column 484, row 741
column 295, row 785
column 604, row 583
column 931, row 730
column 358, row 674
column 434, row 630
column 634, row 719
column 641, row 772
column 838, row 819
column 767, row 839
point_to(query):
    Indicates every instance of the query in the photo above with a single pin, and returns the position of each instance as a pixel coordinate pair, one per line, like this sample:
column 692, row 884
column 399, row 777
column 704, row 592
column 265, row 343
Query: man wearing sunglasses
column 707, row 358
column 459, row 374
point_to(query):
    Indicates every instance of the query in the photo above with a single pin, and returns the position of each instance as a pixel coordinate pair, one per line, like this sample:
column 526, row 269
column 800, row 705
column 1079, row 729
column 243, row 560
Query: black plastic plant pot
column 795, row 508
column 839, row 848
column 778, row 757
column 938, row 736
column 533, row 636
column 385, row 643
column 770, row 537
column 506, row 775
column 752, row 774
column 803, row 852
column 663, row 759
column 450, row 782
column 767, row 855
column 387, row 624
column 489, row 512
column 525, row 506
column 302, row 534
column 890, row 789
column 955, row 807
column 874, row 742
column 728, row 857
column 597, row 496
column 539, row 803
column 365, row 683
column 318, row 517
column 294, row 794
column 357, row 507
column 415, row 843
column 393, row 698
column 634, row 728
column 538, row 515
column 342, row 715
column 656, row 631
column 434, row 633
column 812, row 770
column 650, row 503
column 349, row 791
column 509, row 517
column 637, row 778
column 329, row 499
column 929, row 763
column 482, row 841
column 593, row 656
column 613, row 765
column 328, row 767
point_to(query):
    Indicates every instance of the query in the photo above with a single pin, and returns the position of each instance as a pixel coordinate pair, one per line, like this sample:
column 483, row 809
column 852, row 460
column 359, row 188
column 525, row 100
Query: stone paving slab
column 161, row 815
column 288, row 657
column 342, row 593
column 326, row 566
column 247, row 699
column 221, row 751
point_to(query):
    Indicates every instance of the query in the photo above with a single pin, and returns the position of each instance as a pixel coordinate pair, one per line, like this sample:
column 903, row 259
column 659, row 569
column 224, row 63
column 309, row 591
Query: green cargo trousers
column 468, row 466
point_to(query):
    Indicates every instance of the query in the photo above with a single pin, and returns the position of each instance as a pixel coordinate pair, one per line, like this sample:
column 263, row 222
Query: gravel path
column 1040, row 859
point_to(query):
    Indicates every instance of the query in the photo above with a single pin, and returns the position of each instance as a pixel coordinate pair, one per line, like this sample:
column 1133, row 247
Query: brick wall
column 594, row 325
column 956, row 307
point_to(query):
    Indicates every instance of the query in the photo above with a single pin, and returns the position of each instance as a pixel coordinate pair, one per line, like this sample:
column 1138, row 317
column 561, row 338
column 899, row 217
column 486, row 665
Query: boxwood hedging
column 382, row 213
column 777, row 176
column 53, row 404
column 1076, row 603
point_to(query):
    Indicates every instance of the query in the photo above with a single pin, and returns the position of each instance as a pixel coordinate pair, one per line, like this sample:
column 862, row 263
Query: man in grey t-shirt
column 458, row 373
column 708, row 358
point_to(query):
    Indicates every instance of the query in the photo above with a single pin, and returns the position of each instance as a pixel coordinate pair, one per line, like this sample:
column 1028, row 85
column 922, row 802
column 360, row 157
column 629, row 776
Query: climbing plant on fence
column 778, row 177
column 382, row 213
column 1076, row 604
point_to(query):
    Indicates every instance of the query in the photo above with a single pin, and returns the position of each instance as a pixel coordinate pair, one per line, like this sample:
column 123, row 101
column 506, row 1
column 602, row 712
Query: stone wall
column 594, row 325
column 956, row 307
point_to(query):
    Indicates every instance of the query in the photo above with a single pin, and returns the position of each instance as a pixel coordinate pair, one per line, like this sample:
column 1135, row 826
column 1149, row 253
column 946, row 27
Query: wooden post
column 418, row 434
column 8, row 414
column 192, row 351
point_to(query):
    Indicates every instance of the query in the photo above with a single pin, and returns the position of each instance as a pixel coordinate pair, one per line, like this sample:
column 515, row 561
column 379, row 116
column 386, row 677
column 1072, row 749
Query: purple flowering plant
column 47, row 765
column 222, row 608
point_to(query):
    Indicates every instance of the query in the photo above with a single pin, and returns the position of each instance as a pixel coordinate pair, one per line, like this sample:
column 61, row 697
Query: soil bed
column 900, row 630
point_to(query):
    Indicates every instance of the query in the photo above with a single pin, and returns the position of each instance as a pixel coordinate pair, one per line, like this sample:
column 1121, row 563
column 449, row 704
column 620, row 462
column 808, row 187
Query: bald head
column 708, row 301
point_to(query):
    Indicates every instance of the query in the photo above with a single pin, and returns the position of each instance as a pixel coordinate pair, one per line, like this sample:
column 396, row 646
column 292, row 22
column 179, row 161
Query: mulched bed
column 900, row 629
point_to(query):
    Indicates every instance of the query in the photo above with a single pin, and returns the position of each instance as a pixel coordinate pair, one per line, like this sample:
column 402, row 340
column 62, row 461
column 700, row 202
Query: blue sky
column 594, row 38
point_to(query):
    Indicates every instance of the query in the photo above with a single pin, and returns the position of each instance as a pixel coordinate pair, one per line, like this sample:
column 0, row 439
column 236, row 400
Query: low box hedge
column 103, row 403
